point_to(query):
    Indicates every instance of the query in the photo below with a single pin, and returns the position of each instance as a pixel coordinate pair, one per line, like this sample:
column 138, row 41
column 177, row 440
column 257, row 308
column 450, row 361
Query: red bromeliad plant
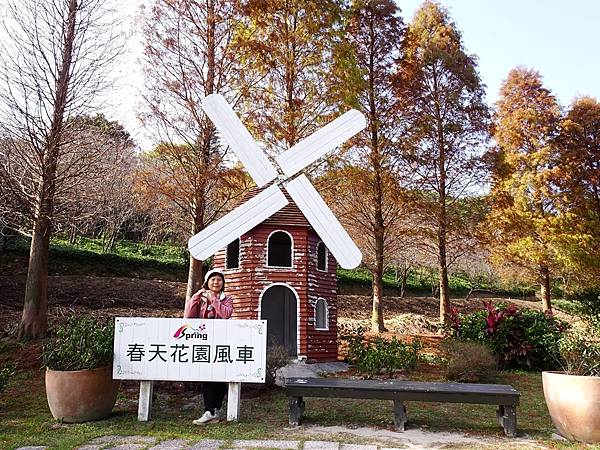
column 454, row 319
column 519, row 339
column 496, row 315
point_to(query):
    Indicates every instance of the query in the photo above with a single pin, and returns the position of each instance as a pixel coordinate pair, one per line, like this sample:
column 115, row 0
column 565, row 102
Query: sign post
column 148, row 349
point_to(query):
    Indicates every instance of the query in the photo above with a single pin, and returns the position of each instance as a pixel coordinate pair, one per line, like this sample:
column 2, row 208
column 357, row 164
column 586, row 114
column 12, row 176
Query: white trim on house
column 298, row 355
column 292, row 250
column 326, row 314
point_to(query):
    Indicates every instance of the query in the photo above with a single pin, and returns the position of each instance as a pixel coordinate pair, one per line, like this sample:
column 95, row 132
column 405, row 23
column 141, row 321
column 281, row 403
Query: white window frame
column 292, row 250
column 326, row 306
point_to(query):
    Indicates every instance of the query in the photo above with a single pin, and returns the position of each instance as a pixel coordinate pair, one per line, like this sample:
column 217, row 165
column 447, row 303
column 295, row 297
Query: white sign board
column 190, row 349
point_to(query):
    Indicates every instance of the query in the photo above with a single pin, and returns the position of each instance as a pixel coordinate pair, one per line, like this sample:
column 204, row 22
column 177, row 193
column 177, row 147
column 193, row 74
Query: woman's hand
column 206, row 295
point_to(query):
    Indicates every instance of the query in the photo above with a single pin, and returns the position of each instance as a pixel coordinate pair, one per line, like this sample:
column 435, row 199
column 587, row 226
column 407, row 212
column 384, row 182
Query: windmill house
column 275, row 247
column 281, row 271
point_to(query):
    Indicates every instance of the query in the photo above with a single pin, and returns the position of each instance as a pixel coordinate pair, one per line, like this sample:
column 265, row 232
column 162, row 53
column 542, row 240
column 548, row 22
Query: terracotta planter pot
column 574, row 405
column 81, row 395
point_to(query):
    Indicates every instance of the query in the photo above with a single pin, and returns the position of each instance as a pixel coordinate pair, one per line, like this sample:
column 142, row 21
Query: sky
column 558, row 38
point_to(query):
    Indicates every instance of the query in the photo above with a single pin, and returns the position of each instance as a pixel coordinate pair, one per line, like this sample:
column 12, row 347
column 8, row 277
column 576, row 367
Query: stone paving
column 150, row 443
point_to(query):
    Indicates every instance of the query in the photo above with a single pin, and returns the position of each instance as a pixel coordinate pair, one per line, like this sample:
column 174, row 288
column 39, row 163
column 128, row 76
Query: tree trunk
column 376, row 159
column 545, row 287
column 195, row 276
column 194, row 282
column 443, row 264
column 72, row 234
column 444, row 294
column 34, row 321
column 204, row 143
column 442, row 218
column 404, row 282
column 377, row 325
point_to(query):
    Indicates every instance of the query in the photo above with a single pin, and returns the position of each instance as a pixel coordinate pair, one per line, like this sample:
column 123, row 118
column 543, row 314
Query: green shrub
column 580, row 355
column 380, row 355
column 469, row 362
column 5, row 374
column 80, row 343
column 470, row 327
column 589, row 308
column 526, row 340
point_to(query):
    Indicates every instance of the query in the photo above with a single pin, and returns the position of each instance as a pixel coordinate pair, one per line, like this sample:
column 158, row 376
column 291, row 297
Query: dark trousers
column 213, row 393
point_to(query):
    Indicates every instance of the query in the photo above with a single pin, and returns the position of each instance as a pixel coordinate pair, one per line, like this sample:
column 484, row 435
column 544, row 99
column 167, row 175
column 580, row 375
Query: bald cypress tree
column 374, row 31
column 524, row 220
column 442, row 98
column 287, row 51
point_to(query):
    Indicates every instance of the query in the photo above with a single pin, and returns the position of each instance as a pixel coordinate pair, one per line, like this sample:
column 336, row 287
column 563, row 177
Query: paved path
column 150, row 443
column 426, row 440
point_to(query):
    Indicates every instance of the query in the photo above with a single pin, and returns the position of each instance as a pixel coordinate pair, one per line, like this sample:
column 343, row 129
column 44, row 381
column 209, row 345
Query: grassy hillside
column 86, row 257
column 170, row 262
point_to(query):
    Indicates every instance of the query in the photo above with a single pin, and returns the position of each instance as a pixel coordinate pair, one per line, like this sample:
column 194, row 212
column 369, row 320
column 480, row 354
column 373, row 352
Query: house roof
column 289, row 215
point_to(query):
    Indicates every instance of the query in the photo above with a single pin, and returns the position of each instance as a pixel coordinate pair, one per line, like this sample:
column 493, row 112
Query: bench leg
column 400, row 417
column 507, row 416
column 296, row 410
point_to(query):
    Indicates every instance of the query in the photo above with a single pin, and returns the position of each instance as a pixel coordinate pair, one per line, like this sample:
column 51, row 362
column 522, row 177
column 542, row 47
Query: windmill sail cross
column 264, row 205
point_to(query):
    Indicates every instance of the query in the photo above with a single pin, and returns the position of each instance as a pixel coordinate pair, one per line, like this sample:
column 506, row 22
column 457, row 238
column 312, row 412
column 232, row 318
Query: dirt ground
column 108, row 297
column 98, row 296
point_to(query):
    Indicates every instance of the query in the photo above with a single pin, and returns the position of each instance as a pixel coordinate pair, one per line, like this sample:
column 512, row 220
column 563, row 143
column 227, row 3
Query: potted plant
column 573, row 395
column 78, row 360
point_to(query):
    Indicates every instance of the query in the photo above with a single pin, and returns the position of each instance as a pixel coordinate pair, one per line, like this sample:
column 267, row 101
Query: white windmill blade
column 320, row 142
column 324, row 222
column 239, row 139
column 237, row 222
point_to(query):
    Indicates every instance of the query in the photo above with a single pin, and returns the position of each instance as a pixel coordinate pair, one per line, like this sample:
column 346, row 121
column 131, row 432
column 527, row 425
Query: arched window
column 279, row 249
column 321, row 257
column 321, row 315
column 233, row 254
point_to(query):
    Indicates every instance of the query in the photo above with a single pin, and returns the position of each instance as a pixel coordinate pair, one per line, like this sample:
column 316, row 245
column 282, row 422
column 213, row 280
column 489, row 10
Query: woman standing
column 211, row 302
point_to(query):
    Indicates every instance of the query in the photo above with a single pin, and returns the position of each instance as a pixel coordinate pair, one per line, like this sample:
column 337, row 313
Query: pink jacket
column 196, row 306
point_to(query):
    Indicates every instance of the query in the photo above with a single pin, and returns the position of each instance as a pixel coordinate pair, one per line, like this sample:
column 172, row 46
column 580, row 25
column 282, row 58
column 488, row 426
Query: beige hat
column 212, row 273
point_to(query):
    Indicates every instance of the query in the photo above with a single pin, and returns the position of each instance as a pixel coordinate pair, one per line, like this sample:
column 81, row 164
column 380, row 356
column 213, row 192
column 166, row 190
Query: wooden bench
column 506, row 397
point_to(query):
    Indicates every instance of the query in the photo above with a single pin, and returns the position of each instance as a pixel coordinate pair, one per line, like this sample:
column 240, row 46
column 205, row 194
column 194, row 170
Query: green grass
column 359, row 281
column 86, row 257
column 165, row 253
column 25, row 418
column 568, row 306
